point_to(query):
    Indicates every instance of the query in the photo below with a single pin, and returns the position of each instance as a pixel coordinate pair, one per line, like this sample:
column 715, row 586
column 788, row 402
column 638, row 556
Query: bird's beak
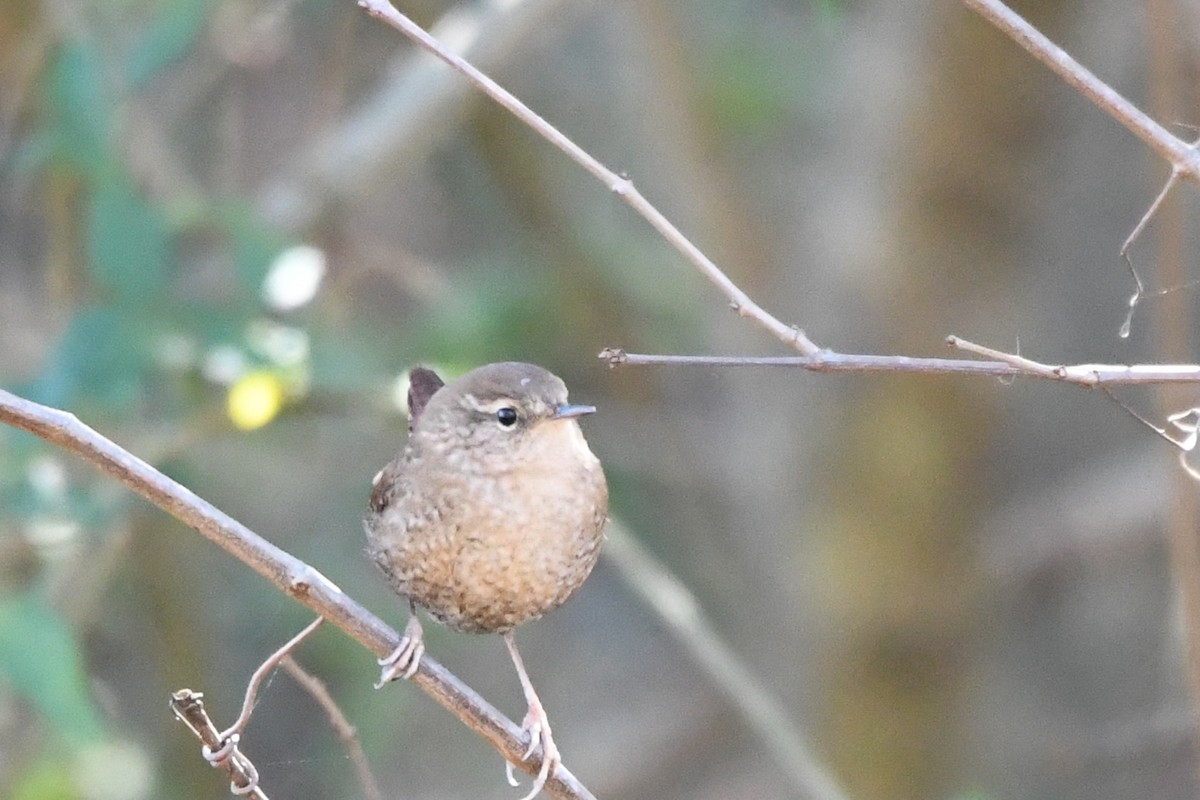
column 570, row 412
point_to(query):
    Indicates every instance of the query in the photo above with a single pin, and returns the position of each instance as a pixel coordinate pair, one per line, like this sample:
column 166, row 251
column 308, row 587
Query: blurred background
column 227, row 228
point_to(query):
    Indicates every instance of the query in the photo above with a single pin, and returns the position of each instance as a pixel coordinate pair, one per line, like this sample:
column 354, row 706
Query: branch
column 1004, row 365
column 681, row 612
column 1181, row 155
column 340, row 724
column 620, row 185
column 406, row 113
column 292, row 576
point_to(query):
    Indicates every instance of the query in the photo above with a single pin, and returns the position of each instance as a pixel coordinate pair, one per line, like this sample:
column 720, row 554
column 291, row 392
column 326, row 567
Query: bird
column 491, row 516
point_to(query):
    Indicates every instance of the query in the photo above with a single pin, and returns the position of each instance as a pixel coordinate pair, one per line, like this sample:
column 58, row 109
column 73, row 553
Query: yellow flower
column 255, row 399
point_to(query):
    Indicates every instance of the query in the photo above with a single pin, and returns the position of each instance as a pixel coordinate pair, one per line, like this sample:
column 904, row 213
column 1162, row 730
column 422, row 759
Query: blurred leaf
column 40, row 658
column 746, row 94
column 345, row 353
column 173, row 32
column 129, row 246
column 80, row 105
column 23, row 500
column 499, row 310
column 255, row 246
column 99, row 356
column 45, row 780
column 829, row 10
column 667, row 318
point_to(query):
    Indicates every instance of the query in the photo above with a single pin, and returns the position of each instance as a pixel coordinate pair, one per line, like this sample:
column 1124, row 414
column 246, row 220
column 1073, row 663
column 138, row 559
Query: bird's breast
column 507, row 547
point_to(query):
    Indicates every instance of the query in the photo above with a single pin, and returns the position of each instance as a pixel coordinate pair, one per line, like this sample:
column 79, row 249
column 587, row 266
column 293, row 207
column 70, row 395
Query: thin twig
column 1179, row 432
column 620, row 185
column 1140, row 288
column 291, row 575
column 682, row 613
column 1025, row 365
column 397, row 124
column 188, row 706
column 1104, row 376
column 1181, row 155
column 260, row 674
column 1008, row 366
column 340, row 724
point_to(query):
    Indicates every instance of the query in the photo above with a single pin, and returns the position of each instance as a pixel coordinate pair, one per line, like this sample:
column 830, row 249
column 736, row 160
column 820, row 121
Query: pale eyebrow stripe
column 492, row 405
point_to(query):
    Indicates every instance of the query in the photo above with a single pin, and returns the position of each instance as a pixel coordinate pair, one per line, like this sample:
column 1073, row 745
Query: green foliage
column 745, row 88
column 742, row 94
column 498, row 310
column 830, row 11
column 102, row 355
column 79, row 108
column 129, row 242
column 175, row 29
column 48, row 779
column 254, row 245
column 129, row 247
column 40, row 659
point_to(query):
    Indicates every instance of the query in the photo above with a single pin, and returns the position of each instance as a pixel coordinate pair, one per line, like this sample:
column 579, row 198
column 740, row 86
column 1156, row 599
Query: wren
column 491, row 516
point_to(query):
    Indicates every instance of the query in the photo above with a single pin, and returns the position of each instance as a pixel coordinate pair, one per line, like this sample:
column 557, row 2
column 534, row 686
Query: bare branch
column 682, row 613
column 620, row 185
column 406, row 113
column 337, row 720
column 1005, row 366
column 1181, row 155
column 292, row 576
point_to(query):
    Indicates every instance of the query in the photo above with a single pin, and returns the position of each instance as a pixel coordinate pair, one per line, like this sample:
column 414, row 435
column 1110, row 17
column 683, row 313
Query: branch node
column 613, row 356
column 619, row 183
column 302, row 580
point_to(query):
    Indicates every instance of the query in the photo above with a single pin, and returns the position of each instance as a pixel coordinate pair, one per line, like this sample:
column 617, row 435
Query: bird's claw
column 401, row 662
column 538, row 728
column 406, row 658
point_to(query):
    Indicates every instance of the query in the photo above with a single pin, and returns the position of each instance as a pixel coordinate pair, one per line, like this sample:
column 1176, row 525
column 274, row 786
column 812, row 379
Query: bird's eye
column 507, row 416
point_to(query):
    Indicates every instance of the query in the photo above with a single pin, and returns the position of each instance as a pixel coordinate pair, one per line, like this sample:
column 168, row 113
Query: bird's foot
column 538, row 727
column 406, row 658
